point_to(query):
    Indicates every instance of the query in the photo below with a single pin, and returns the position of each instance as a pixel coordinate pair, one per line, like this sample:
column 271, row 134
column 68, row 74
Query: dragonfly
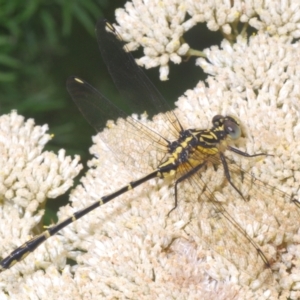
column 183, row 156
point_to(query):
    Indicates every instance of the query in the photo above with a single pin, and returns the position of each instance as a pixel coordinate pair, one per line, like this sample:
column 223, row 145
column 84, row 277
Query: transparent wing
column 268, row 205
column 131, row 134
column 94, row 106
column 246, row 232
column 138, row 91
column 214, row 225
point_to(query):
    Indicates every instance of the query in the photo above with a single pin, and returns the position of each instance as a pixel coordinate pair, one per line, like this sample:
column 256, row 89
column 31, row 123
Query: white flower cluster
column 131, row 248
column 196, row 253
column 28, row 177
column 158, row 26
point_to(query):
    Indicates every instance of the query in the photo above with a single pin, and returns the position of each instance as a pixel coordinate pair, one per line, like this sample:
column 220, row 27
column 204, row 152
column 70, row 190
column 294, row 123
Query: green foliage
column 34, row 49
column 35, row 25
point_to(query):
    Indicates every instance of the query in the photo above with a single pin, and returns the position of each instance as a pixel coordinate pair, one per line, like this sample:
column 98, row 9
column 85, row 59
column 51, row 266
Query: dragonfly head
column 229, row 125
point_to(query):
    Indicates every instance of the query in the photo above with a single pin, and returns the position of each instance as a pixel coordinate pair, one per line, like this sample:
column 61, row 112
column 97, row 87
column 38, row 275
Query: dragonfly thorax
column 195, row 145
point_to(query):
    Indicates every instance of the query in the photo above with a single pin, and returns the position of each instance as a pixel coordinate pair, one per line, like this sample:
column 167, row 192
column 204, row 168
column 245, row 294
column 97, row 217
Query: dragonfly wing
column 129, row 136
column 139, row 93
column 216, row 227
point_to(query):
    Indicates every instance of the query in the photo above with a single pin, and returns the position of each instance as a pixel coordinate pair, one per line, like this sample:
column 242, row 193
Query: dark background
column 42, row 43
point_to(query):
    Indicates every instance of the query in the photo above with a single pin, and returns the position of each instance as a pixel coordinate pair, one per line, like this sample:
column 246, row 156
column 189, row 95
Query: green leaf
column 9, row 61
column 7, row 76
column 49, row 27
column 67, row 18
column 84, row 18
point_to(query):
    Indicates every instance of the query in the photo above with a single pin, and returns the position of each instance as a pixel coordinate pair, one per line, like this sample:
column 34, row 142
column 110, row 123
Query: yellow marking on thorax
column 209, row 136
column 170, row 161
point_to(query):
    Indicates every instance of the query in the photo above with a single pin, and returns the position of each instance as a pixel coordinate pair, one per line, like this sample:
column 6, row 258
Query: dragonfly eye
column 232, row 128
column 218, row 120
